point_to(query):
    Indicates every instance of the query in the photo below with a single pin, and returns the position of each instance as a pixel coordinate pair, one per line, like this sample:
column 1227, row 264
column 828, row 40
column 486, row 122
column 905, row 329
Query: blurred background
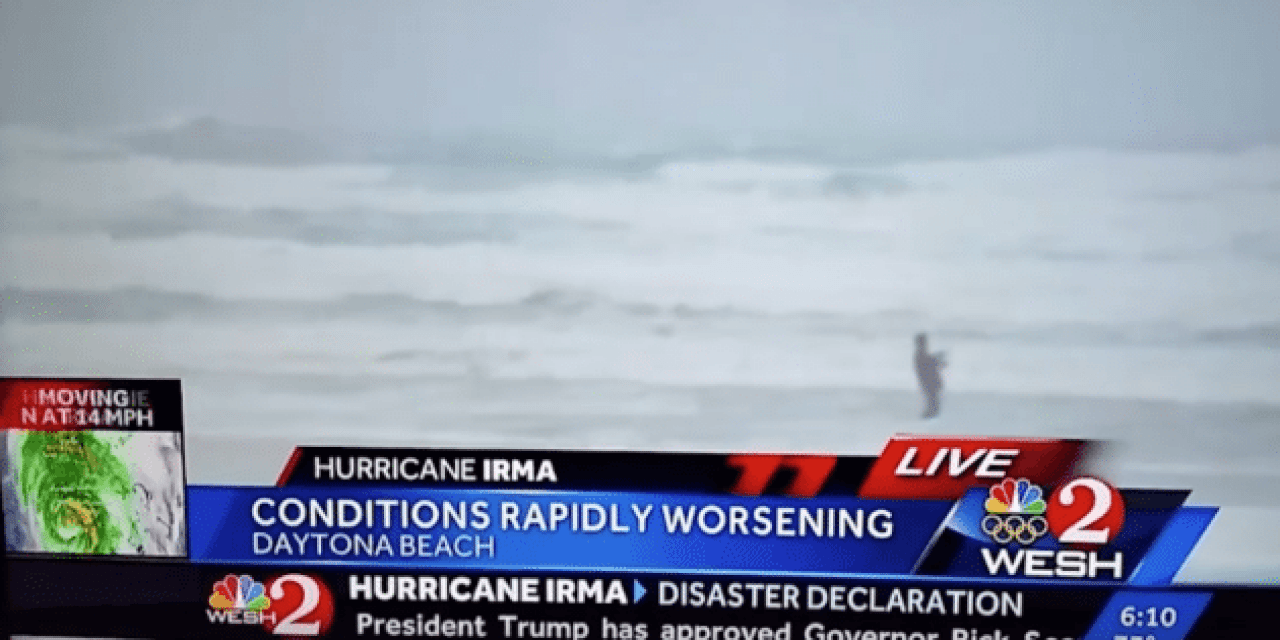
column 662, row 226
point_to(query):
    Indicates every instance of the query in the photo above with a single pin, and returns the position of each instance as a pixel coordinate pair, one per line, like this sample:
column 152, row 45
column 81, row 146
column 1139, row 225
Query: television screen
column 640, row 320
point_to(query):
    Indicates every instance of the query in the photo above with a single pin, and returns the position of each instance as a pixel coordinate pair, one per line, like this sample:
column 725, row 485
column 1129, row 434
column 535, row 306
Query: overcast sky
column 1077, row 71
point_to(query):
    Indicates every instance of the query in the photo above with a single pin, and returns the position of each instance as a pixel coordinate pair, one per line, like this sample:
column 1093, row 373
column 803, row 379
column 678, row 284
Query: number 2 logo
column 1086, row 511
column 303, row 606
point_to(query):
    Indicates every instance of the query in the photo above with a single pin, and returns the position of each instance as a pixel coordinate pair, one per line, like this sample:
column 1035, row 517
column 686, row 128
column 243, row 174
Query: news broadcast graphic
column 93, row 467
column 955, row 538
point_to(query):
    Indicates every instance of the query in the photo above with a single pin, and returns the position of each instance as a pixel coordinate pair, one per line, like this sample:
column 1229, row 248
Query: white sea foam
column 1076, row 272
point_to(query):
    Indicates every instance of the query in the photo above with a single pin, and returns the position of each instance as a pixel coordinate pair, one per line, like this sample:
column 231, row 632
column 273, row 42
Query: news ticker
column 965, row 538
column 170, row 599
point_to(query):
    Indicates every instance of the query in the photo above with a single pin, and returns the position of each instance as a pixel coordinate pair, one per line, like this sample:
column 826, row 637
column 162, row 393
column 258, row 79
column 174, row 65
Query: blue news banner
column 673, row 542
column 547, row 530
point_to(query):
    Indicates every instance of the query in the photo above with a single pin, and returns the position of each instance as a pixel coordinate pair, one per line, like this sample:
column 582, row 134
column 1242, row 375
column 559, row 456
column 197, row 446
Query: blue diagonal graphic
column 1170, row 551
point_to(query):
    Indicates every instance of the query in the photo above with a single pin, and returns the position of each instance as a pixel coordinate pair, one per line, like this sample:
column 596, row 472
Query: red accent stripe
column 812, row 473
column 287, row 472
column 757, row 469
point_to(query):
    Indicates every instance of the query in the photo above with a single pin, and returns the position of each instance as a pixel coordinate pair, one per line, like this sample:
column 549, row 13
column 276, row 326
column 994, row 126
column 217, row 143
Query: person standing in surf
column 929, row 374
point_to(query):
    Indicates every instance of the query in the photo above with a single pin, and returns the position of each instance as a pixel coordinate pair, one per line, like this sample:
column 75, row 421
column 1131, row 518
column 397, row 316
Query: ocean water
column 710, row 304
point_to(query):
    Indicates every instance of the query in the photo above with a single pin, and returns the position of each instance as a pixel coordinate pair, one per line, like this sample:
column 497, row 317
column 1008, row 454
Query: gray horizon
column 908, row 76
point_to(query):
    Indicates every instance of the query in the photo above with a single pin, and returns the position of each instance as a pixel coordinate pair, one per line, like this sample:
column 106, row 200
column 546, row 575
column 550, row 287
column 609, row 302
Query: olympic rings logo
column 1005, row 528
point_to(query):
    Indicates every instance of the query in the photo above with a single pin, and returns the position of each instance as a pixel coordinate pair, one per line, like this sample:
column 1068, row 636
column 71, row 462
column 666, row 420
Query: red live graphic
column 944, row 468
column 811, row 473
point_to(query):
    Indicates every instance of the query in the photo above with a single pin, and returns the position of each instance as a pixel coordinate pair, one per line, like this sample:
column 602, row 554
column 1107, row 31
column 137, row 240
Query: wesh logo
column 238, row 600
column 291, row 604
column 1084, row 512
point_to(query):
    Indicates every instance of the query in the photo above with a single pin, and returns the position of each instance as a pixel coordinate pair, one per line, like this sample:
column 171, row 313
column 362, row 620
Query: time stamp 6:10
column 1148, row 618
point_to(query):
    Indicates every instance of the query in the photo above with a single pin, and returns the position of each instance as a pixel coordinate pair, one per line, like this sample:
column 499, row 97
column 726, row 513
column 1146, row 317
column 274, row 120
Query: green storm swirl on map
column 75, row 483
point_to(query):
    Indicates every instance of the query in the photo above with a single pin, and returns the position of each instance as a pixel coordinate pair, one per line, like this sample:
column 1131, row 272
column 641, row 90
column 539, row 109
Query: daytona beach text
column 341, row 544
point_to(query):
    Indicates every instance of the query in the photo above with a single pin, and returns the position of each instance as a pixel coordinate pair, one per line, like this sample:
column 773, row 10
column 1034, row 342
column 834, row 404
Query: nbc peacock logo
column 239, row 600
column 1015, row 511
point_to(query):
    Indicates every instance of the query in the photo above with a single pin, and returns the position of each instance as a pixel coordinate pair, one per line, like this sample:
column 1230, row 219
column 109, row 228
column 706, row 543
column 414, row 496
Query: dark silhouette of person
column 929, row 373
